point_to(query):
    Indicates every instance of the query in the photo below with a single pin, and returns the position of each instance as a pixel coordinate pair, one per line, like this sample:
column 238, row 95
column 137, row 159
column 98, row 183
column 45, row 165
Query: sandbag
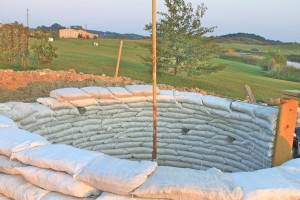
column 16, row 187
column 58, row 157
column 177, row 183
column 15, row 140
column 292, row 163
column 55, row 104
column 273, row 183
column 8, row 166
column 110, row 196
column 69, row 94
column 217, row 103
column 141, row 90
column 116, row 175
column 119, row 92
column 56, row 181
column 6, row 122
column 58, row 196
column 2, row 197
column 98, row 92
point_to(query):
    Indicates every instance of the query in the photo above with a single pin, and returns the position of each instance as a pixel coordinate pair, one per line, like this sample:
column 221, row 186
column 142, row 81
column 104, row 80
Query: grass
column 84, row 57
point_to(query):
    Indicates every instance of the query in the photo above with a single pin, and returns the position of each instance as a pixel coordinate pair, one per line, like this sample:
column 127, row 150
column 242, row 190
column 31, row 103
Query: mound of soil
column 27, row 86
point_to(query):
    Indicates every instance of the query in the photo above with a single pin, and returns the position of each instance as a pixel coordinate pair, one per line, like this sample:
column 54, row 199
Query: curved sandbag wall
column 194, row 131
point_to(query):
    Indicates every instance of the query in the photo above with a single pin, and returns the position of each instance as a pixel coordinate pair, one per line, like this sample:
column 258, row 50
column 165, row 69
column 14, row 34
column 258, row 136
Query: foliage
column 273, row 59
column 44, row 50
column 80, row 35
column 287, row 73
column 76, row 27
column 247, row 59
column 181, row 42
column 87, row 37
column 14, row 43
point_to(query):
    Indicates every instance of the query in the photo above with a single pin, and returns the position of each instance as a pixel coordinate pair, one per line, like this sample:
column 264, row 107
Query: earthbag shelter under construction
column 78, row 143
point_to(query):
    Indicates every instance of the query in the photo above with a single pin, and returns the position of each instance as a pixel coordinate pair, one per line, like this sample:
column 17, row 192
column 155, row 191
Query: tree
column 181, row 42
column 273, row 59
column 44, row 50
column 76, row 27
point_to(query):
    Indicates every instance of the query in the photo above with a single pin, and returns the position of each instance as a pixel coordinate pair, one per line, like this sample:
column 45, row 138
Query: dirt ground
column 27, row 86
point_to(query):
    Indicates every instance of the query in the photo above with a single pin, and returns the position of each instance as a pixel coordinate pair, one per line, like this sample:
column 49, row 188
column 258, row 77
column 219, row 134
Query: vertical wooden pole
column 285, row 132
column 154, row 152
column 119, row 58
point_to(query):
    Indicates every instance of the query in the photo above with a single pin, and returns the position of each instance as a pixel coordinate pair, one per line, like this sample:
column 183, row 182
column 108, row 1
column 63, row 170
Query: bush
column 44, row 50
column 273, row 59
column 286, row 73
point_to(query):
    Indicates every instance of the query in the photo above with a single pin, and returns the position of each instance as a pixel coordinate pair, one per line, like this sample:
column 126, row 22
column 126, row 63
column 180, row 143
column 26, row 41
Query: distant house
column 72, row 33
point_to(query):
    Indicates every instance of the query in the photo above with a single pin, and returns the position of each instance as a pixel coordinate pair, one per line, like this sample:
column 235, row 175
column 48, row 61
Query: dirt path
column 27, row 86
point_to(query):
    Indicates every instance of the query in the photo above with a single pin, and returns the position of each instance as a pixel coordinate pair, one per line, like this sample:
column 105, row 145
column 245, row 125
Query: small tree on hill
column 181, row 42
column 43, row 49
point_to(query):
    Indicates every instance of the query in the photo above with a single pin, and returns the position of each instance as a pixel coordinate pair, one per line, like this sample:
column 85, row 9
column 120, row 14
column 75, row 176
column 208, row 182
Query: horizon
column 271, row 19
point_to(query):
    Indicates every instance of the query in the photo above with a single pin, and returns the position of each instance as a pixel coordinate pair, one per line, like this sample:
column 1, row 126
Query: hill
column 246, row 38
column 113, row 35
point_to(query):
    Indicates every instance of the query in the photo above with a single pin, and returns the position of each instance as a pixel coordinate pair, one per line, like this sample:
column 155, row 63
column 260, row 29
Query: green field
column 84, row 57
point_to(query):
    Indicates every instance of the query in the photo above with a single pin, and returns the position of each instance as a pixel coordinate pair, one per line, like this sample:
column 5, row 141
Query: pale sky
column 272, row 19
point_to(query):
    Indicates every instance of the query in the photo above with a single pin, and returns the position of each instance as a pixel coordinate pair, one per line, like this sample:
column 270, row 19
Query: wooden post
column 154, row 152
column 250, row 94
column 119, row 58
column 285, row 132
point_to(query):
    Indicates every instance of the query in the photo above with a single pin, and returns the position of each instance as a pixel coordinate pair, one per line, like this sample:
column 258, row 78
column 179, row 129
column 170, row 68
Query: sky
column 272, row 19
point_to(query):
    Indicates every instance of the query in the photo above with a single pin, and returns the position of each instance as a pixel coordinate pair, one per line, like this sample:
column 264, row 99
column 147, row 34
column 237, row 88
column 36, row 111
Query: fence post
column 119, row 58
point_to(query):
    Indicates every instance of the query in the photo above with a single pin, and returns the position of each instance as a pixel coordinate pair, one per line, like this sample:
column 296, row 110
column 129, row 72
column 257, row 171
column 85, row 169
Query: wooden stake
column 250, row 94
column 119, row 58
column 285, row 132
column 154, row 152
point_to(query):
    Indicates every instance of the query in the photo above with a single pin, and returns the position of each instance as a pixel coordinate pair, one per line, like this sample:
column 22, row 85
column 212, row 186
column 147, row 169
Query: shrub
column 273, row 59
column 44, row 50
column 286, row 73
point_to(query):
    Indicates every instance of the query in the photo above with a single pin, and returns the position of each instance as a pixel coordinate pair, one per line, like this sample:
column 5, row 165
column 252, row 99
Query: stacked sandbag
column 178, row 183
column 194, row 131
column 274, row 183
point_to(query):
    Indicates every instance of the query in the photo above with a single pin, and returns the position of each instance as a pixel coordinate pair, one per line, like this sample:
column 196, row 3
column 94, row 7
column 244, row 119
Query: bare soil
column 27, row 86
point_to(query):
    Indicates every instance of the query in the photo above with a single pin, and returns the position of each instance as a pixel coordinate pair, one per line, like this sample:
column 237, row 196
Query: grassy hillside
column 84, row 57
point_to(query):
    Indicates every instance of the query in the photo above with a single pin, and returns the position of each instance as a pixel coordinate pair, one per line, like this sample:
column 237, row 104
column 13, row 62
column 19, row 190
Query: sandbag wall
column 194, row 131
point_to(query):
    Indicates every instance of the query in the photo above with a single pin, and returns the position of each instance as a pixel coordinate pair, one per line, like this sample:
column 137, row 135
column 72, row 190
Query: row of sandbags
column 38, row 167
column 194, row 131
column 51, row 167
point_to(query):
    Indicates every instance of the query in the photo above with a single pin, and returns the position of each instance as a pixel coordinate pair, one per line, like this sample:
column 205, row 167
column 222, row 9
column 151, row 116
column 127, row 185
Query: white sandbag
column 119, row 92
column 245, row 107
column 84, row 102
column 21, row 110
column 98, row 92
column 15, row 140
column 292, row 163
column 267, row 113
column 217, row 103
column 58, row 157
column 110, row 196
column 59, row 196
column 69, row 94
column 116, row 175
column 55, row 104
column 176, row 183
column 56, row 181
column 274, row 183
column 6, row 122
column 189, row 97
column 16, row 187
column 2, row 197
column 8, row 166
column 67, row 111
column 141, row 90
